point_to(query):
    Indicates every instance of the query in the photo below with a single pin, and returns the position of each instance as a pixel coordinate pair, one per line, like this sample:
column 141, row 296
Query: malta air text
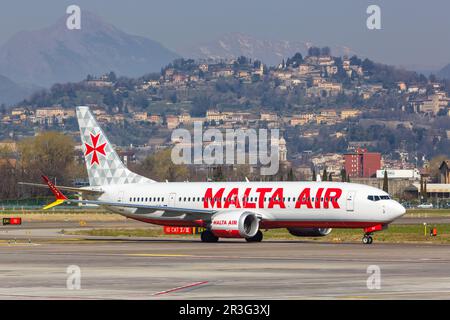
column 269, row 198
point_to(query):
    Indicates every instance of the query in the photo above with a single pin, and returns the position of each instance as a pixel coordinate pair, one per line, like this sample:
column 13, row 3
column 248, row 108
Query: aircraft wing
column 141, row 206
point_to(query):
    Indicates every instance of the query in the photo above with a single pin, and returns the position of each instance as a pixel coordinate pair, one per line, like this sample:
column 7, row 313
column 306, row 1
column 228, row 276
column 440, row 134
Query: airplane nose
column 399, row 210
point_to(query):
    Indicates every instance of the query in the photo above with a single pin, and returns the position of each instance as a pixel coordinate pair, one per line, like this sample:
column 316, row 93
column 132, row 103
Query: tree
column 314, row 175
column 385, row 182
column 112, row 77
column 159, row 166
column 290, row 175
column 295, row 61
column 324, row 175
column 314, row 51
column 218, row 174
column 425, row 192
column 9, row 174
column 434, row 165
column 325, row 51
column 49, row 153
column 330, row 176
column 348, row 177
column 200, row 104
column 343, row 175
column 242, row 60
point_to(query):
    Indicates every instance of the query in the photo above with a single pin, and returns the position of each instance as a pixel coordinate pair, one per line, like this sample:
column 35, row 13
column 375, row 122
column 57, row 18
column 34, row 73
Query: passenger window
column 377, row 198
column 370, row 198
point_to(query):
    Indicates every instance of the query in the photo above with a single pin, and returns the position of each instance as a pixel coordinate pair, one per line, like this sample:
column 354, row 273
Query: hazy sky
column 415, row 33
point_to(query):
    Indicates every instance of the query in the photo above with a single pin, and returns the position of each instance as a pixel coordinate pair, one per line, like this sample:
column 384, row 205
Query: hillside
column 57, row 54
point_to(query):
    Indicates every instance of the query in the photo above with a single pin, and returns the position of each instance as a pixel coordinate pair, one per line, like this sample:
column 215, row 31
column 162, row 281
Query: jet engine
column 234, row 224
column 309, row 232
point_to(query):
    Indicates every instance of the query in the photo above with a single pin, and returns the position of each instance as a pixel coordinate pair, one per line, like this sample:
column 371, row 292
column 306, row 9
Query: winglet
column 60, row 198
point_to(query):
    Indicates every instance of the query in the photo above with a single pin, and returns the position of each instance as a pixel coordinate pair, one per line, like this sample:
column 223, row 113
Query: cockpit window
column 377, row 198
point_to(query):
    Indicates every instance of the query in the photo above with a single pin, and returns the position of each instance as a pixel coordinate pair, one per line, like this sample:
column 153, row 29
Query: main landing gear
column 208, row 236
column 367, row 239
column 256, row 238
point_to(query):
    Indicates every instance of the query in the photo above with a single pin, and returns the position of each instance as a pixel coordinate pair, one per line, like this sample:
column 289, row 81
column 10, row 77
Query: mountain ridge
column 271, row 52
column 56, row 54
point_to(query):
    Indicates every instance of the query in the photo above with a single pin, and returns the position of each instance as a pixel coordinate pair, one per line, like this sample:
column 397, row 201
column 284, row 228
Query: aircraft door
column 351, row 201
column 172, row 199
column 121, row 196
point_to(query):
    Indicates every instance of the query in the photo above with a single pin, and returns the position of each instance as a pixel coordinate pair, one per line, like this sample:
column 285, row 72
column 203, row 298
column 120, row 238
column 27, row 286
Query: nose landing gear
column 368, row 231
column 367, row 239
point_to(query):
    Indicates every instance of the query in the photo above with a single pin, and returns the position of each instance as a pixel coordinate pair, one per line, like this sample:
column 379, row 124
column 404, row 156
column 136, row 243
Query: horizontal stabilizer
column 70, row 189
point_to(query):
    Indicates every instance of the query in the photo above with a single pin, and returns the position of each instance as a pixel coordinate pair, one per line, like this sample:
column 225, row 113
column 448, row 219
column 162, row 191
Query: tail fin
column 103, row 165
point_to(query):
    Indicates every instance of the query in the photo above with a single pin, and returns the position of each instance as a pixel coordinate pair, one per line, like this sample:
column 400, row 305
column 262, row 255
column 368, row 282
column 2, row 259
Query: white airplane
column 224, row 209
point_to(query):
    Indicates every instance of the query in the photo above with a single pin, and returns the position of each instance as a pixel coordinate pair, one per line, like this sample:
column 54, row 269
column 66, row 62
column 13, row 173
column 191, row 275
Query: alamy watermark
column 73, row 281
column 73, row 21
column 373, row 21
column 213, row 147
column 374, row 280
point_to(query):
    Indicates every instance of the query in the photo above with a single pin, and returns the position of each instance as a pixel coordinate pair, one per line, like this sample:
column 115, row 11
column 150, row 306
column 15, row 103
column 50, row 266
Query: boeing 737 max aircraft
column 224, row 209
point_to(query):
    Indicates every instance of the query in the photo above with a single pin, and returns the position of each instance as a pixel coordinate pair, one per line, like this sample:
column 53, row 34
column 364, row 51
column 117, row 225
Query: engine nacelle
column 309, row 232
column 234, row 224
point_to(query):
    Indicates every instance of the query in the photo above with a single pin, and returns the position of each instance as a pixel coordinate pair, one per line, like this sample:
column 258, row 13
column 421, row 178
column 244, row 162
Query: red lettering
column 211, row 199
column 333, row 195
column 277, row 199
column 232, row 199
column 318, row 196
column 304, row 199
column 262, row 192
column 245, row 203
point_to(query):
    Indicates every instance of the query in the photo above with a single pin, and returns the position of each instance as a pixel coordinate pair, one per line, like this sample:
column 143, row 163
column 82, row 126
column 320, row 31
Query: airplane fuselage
column 278, row 204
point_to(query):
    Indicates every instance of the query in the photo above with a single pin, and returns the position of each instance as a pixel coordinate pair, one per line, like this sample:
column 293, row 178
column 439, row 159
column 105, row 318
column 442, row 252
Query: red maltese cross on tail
column 94, row 149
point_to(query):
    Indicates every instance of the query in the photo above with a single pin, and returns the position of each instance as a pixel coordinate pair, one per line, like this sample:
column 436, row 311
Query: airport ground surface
column 34, row 259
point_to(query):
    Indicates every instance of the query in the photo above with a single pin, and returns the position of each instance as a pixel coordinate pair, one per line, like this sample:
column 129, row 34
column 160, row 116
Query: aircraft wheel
column 208, row 236
column 256, row 238
column 367, row 240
